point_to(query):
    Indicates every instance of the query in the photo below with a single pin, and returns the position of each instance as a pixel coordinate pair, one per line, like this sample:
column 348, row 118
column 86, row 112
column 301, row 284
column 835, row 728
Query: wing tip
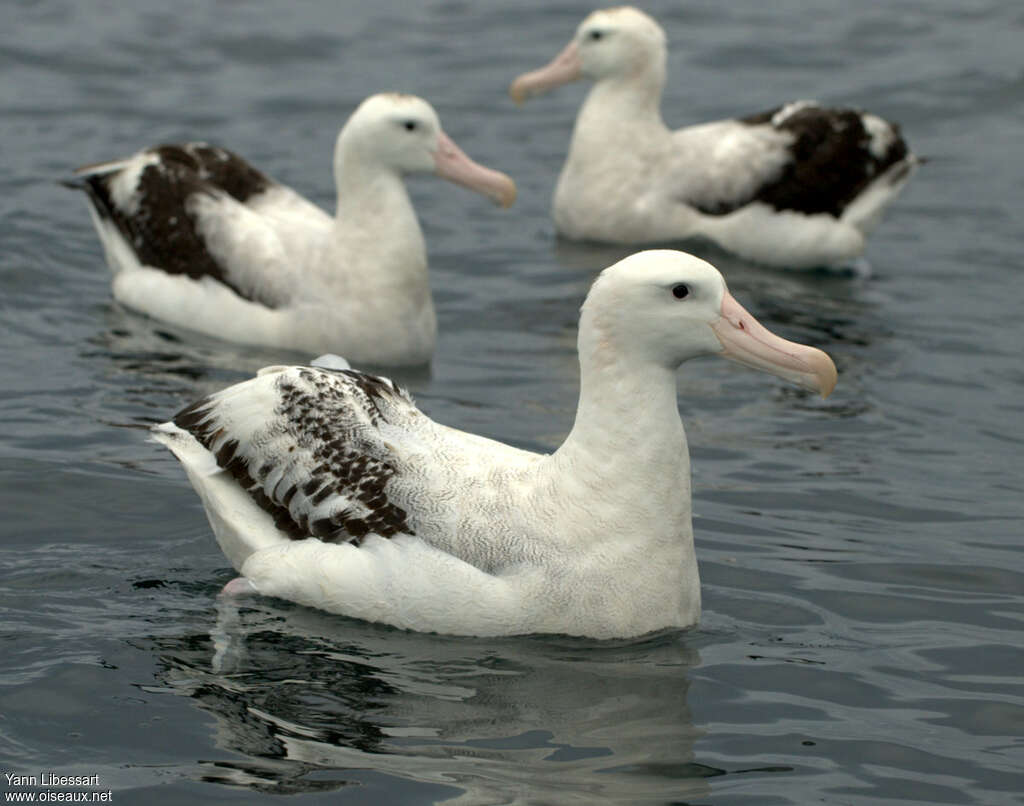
column 186, row 449
column 330, row 361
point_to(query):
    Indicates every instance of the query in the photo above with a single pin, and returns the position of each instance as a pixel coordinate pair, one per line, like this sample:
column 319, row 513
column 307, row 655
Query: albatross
column 330, row 488
column 797, row 186
column 197, row 237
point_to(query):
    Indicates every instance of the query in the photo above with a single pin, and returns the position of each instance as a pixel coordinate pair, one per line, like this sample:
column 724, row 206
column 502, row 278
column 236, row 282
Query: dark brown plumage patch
column 831, row 162
column 218, row 166
column 760, row 118
column 344, row 460
column 162, row 231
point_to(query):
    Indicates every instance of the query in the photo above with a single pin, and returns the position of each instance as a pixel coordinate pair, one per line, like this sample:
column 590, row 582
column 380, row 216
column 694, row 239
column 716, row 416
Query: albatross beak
column 451, row 163
column 565, row 67
column 747, row 341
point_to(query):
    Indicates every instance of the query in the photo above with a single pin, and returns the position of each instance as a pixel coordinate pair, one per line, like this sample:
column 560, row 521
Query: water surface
column 863, row 578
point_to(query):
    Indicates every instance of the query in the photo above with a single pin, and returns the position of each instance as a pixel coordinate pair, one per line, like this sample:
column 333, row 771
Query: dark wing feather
column 303, row 442
column 161, row 229
column 830, row 161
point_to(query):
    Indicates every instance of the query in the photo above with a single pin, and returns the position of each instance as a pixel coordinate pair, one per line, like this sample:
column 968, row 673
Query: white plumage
column 197, row 237
column 800, row 185
column 331, row 489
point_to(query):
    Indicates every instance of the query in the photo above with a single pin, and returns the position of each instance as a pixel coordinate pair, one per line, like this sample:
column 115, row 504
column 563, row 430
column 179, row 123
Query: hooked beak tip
column 508, row 198
column 517, row 94
column 829, row 381
column 821, row 375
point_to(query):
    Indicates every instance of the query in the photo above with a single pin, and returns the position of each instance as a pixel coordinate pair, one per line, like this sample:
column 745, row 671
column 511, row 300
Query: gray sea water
column 863, row 636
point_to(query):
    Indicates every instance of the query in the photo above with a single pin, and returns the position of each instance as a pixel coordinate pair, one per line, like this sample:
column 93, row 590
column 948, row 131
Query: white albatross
column 331, row 489
column 798, row 186
column 197, row 237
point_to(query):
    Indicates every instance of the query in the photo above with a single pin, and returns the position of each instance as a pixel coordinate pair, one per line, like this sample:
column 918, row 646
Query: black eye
column 680, row 291
column 410, row 125
column 596, row 35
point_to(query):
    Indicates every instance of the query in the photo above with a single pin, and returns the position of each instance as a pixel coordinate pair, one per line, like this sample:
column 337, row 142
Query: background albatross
column 197, row 237
column 800, row 185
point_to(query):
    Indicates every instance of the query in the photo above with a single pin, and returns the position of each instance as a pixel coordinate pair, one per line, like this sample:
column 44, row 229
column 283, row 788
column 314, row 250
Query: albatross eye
column 680, row 291
column 410, row 125
column 596, row 35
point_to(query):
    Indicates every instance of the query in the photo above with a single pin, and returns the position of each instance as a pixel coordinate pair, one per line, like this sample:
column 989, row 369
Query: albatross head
column 667, row 306
column 403, row 133
column 610, row 43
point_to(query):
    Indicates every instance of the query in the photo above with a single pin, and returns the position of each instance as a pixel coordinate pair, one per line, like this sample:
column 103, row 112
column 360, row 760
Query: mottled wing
column 310, row 447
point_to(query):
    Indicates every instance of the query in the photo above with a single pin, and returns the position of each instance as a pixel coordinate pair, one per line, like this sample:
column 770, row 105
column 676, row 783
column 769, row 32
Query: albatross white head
column 612, row 43
column 664, row 307
column 403, row 133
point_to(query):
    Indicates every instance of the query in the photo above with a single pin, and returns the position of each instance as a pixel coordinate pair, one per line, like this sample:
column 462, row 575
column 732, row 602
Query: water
column 863, row 579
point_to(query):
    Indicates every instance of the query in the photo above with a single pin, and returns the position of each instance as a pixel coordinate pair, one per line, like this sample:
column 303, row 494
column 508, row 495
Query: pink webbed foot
column 239, row 586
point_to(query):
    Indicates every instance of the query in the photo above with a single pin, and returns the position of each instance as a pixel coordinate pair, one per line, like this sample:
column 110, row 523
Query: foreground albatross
column 197, row 237
column 331, row 489
column 800, row 185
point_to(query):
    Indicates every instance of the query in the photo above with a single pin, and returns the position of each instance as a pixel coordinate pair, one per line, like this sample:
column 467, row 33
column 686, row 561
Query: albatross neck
column 366, row 190
column 627, row 419
column 632, row 100
column 375, row 216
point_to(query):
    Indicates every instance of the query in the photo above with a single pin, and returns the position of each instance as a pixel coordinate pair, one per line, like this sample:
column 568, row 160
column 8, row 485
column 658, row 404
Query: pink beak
column 747, row 341
column 565, row 67
column 452, row 164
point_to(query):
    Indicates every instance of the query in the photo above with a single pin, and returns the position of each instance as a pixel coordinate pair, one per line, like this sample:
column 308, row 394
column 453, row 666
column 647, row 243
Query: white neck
column 374, row 215
column 613, row 181
column 622, row 478
column 618, row 136
column 373, row 197
column 627, row 446
column 628, row 102
column 373, row 253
